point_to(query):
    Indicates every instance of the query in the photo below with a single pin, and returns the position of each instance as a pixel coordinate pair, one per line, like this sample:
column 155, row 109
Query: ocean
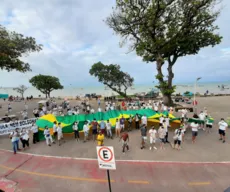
column 101, row 90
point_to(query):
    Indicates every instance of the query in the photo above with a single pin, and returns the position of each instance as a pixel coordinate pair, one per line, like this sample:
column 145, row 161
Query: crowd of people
column 102, row 129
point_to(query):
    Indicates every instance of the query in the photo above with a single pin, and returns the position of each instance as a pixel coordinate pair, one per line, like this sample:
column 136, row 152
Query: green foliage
column 161, row 31
column 45, row 83
column 21, row 89
column 12, row 47
column 113, row 77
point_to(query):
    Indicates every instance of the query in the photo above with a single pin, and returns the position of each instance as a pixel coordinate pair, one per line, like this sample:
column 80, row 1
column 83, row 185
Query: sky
column 74, row 37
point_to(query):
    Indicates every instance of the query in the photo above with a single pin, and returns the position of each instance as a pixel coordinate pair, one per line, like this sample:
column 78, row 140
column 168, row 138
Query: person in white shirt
column 165, row 108
column 24, row 115
column 75, row 129
column 41, row 113
column 161, row 119
column 144, row 120
column 47, row 136
column 60, row 134
column 25, row 138
column 15, row 136
column 111, row 107
column 156, row 108
column 92, row 111
column 222, row 128
column 109, row 129
column 34, row 129
column 194, row 127
column 99, row 109
column 117, row 128
column 202, row 118
column 55, row 131
column 86, row 130
column 26, row 106
column 152, row 138
column 161, row 134
column 178, row 135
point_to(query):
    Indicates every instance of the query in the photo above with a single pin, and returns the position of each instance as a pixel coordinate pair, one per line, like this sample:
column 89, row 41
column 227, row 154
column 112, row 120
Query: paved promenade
column 23, row 172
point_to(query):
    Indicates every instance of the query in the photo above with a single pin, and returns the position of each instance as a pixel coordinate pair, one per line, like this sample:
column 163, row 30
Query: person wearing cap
column 222, row 128
column 100, row 139
column 178, row 136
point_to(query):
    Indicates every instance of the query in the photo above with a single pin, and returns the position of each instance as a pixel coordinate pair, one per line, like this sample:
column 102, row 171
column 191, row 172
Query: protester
column 194, row 127
column 60, row 134
column 137, row 121
column 222, row 128
column 125, row 139
column 165, row 125
column 34, row 129
column 208, row 124
column 152, row 138
column 130, row 121
column 15, row 136
column 47, row 136
column 55, row 131
column 143, row 136
column 86, row 131
column 202, row 118
column 100, row 139
column 144, row 120
column 102, row 126
column 25, row 138
column 178, row 135
column 122, row 123
column 118, row 129
column 109, row 130
column 161, row 134
column 76, row 132
column 94, row 129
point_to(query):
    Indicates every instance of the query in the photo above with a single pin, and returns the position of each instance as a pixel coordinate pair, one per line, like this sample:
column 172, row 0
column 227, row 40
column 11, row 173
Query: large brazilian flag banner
column 68, row 120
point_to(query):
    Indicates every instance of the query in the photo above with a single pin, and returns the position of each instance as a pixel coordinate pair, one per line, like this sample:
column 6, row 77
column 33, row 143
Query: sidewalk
column 33, row 173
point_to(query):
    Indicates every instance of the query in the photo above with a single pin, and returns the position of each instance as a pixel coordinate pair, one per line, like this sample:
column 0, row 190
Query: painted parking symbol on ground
column 106, row 158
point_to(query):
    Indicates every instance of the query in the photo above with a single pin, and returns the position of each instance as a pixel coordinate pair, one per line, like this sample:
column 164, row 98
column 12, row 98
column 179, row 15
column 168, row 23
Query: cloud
column 74, row 37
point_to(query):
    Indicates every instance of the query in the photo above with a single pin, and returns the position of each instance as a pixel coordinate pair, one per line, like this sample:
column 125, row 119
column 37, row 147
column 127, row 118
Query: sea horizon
column 73, row 91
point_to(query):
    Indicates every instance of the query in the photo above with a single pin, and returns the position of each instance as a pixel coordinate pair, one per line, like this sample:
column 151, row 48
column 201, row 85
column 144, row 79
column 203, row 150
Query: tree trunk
column 167, row 99
column 165, row 86
column 22, row 95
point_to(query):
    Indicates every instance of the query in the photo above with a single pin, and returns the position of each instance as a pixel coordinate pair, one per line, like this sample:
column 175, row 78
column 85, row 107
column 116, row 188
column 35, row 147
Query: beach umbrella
column 227, row 190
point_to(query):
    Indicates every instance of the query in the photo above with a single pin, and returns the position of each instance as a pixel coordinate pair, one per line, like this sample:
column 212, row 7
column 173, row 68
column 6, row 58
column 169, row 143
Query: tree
column 162, row 31
column 113, row 77
column 46, row 84
column 12, row 47
column 21, row 89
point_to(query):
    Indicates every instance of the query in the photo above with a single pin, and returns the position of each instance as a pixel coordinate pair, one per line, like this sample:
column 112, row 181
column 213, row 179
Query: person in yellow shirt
column 100, row 139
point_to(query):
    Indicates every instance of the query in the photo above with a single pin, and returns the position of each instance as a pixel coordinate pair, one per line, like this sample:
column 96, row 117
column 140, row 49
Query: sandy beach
column 218, row 106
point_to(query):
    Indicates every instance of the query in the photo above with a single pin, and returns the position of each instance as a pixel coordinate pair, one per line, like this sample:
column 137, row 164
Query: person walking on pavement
column 125, row 139
column 143, row 136
column 222, row 129
column 152, row 138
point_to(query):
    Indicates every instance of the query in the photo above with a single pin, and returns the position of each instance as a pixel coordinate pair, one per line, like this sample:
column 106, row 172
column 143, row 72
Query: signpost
column 106, row 160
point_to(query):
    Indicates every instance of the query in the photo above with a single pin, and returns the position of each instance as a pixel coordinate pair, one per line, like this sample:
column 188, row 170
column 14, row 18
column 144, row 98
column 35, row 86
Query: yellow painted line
column 57, row 176
column 138, row 182
column 198, row 183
